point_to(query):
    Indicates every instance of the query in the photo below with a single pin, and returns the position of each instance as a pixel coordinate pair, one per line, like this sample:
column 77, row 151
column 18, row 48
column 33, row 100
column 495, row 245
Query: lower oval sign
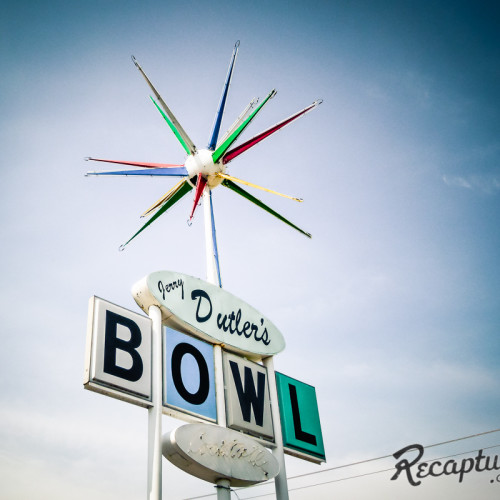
column 212, row 452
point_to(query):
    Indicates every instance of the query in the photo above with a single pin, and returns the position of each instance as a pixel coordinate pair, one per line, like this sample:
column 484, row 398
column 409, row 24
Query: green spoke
column 231, row 185
column 189, row 143
column 185, row 188
column 172, row 128
column 219, row 152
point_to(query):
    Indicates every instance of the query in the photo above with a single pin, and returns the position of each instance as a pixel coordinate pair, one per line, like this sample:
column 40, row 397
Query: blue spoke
column 222, row 103
column 172, row 172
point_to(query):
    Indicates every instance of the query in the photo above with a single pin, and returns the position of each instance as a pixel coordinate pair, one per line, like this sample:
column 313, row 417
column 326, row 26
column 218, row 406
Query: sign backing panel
column 118, row 356
column 248, row 406
column 189, row 375
column 300, row 424
column 212, row 453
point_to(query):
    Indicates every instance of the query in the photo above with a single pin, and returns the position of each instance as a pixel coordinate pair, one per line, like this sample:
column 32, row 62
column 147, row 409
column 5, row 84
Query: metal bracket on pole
column 223, row 489
column 155, row 411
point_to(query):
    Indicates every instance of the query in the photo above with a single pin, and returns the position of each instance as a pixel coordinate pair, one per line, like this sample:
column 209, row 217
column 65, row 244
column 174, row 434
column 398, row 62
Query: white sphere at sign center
column 201, row 163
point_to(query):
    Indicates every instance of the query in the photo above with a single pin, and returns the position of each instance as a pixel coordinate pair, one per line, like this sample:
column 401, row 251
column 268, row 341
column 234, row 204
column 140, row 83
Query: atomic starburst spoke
column 191, row 148
column 219, row 152
column 231, row 185
column 185, row 188
column 243, row 115
column 230, row 155
column 152, row 172
column 137, row 163
column 164, row 198
column 172, row 128
column 200, row 186
column 222, row 103
column 246, row 183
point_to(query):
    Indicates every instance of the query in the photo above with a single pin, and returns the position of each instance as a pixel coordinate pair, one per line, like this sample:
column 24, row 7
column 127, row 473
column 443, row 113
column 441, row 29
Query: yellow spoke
column 246, row 183
column 164, row 198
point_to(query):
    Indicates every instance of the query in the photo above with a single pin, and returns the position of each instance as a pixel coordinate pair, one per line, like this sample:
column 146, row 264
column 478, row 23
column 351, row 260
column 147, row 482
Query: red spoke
column 230, row 155
column 138, row 164
column 200, row 186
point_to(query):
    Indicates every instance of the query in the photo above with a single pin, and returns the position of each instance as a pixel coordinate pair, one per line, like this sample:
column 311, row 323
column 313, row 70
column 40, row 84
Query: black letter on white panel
column 113, row 343
column 248, row 397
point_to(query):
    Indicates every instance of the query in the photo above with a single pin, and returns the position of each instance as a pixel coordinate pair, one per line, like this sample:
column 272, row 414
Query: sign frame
column 245, row 387
column 91, row 347
column 170, row 408
column 291, row 424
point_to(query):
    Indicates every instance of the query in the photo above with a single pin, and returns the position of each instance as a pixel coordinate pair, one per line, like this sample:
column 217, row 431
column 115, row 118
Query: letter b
column 113, row 343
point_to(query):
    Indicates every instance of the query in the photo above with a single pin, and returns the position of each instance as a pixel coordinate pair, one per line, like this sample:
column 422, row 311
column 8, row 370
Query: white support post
column 155, row 411
column 219, row 384
column 280, row 482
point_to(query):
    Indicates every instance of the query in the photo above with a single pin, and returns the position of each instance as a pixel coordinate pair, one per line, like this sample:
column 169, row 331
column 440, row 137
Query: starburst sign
column 205, row 168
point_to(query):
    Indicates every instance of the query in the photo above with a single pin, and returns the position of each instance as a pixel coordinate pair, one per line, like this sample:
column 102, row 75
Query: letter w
column 247, row 396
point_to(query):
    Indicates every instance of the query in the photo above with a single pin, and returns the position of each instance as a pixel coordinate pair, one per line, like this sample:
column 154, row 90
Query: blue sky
column 392, row 309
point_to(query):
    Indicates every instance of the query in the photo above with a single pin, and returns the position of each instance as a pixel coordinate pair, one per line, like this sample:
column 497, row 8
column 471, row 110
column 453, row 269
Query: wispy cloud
column 488, row 184
column 417, row 86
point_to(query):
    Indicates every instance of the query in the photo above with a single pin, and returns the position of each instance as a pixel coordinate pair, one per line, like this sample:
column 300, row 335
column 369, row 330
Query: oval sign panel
column 194, row 306
column 211, row 453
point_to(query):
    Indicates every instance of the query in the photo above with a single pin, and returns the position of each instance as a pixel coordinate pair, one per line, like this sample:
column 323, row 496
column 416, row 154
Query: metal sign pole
column 212, row 257
column 214, row 278
column 280, row 482
column 155, row 411
column 223, row 485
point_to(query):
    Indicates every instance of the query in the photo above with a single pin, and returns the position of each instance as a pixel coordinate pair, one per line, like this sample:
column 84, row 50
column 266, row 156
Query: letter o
column 498, row 478
column 200, row 396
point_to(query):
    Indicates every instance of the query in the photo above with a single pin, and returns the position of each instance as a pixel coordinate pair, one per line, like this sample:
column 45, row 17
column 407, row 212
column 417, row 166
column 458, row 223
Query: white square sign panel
column 118, row 358
column 248, row 406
